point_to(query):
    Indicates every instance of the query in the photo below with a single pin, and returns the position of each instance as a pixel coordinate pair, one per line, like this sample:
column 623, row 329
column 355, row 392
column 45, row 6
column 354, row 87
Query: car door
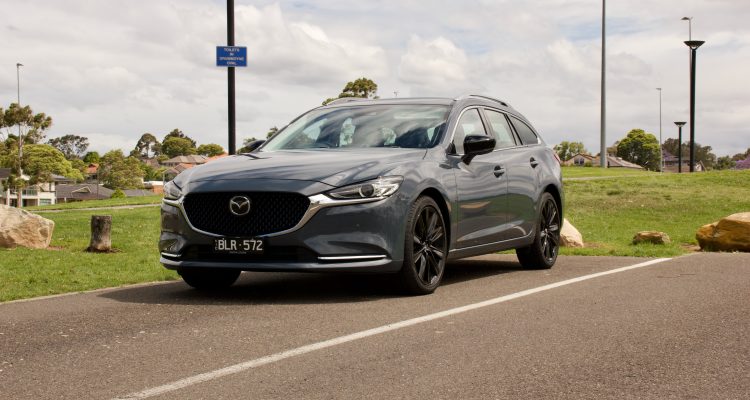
column 523, row 179
column 481, row 188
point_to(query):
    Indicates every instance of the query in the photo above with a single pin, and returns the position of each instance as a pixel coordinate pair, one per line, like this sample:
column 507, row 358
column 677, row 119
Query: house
column 192, row 160
column 672, row 162
column 580, row 160
column 41, row 194
column 175, row 169
column 82, row 191
column 91, row 173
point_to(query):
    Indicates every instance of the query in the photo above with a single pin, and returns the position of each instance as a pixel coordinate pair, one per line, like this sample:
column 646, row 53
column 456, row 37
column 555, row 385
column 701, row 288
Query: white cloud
column 118, row 69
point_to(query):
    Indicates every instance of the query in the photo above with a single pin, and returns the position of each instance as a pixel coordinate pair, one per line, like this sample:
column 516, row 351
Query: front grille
column 269, row 213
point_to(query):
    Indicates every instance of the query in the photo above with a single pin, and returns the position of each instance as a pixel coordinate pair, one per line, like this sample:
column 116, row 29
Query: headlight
column 172, row 191
column 384, row 186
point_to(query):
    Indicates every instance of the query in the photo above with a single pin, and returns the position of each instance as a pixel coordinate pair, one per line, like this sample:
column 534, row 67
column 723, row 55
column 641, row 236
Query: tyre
column 425, row 248
column 542, row 253
column 209, row 278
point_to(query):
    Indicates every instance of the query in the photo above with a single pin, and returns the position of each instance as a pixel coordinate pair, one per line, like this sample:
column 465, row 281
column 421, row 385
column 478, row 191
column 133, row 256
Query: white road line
column 233, row 369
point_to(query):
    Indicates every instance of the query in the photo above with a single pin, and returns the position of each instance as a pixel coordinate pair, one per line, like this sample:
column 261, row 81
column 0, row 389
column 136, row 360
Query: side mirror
column 475, row 145
column 254, row 145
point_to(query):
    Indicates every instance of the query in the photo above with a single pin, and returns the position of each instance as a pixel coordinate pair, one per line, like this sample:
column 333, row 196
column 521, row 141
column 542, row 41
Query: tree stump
column 101, row 228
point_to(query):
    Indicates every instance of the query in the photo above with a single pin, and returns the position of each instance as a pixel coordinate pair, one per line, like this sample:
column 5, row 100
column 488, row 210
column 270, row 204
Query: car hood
column 332, row 167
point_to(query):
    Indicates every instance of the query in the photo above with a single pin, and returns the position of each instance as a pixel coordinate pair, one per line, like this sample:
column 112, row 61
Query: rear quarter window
column 524, row 131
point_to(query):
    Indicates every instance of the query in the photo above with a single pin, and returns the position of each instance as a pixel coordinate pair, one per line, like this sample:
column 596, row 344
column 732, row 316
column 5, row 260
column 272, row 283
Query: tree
column 148, row 144
column 92, row 157
column 703, row 154
column 120, row 172
column 31, row 128
column 640, row 148
column 272, row 132
column 32, row 125
column 40, row 162
column 566, row 150
column 210, row 150
column 741, row 156
column 73, row 146
column 178, row 134
column 725, row 162
column 174, row 146
column 362, row 87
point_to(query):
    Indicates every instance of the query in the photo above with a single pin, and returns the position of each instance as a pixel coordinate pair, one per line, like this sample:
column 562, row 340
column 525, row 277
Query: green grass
column 66, row 267
column 126, row 201
column 588, row 172
column 608, row 212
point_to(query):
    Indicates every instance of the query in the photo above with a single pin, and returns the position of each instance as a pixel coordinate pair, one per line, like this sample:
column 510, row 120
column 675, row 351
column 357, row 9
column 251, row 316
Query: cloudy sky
column 112, row 70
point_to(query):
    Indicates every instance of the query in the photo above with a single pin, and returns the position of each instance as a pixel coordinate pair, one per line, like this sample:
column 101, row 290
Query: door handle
column 533, row 162
column 499, row 171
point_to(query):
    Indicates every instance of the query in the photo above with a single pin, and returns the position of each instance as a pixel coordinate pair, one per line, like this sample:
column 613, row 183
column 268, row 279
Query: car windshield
column 408, row 126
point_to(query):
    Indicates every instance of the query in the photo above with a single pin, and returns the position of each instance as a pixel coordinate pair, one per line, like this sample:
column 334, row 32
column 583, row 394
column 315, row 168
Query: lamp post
column 19, row 191
column 679, row 145
column 603, row 112
column 693, row 44
column 661, row 154
column 690, row 26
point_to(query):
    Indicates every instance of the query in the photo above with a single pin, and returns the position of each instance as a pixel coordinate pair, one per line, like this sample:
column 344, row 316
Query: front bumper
column 332, row 236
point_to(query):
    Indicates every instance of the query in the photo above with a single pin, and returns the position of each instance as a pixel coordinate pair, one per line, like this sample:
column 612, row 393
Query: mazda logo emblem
column 239, row 205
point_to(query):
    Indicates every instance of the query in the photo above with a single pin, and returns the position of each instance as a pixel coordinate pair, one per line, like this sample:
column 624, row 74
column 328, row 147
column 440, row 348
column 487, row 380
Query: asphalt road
column 673, row 329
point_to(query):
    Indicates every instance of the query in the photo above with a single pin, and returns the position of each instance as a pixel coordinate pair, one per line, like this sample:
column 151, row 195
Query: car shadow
column 303, row 288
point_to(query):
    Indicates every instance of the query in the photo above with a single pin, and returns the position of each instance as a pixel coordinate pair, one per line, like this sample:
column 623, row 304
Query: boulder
column 22, row 228
column 651, row 237
column 730, row 233
column 569, row 235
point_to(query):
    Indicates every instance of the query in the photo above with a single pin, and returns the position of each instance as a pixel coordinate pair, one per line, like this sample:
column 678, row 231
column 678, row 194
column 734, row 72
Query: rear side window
column 469, row 124
column 500, row 129
column 527, row 135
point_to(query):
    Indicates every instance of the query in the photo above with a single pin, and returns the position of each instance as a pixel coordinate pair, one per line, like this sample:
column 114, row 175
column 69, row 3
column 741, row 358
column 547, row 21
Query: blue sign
column 235, row 56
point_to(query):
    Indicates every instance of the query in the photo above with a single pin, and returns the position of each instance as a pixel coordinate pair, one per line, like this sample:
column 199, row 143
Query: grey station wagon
column 378, row 186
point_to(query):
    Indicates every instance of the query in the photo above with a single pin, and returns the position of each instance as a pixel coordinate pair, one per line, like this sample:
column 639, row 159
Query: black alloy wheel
column 542, row 254
column 425, row 247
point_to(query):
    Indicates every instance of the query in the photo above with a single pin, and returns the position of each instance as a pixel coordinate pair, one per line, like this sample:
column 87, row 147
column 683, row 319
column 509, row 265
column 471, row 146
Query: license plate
column 239, row 245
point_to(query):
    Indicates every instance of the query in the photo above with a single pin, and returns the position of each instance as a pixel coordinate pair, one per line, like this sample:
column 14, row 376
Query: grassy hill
column 607, row 206
column 609, row 211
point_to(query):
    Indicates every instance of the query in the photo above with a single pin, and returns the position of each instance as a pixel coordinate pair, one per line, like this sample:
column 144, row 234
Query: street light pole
column 661, row 153
column 603, row 112
column 19, row 191
column 230, row 79
column 679, row 146
column 693, row 44
column 690, row 26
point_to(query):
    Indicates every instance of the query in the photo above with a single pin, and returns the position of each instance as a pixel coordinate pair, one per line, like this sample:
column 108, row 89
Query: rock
column 569, row 235
column 22, row 228
column 730, row 233
column 651, row 237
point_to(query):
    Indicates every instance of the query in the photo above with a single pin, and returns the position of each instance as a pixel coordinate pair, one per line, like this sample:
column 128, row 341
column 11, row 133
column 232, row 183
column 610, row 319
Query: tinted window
column 527, row 135
column 469, row 124
column 500, row 129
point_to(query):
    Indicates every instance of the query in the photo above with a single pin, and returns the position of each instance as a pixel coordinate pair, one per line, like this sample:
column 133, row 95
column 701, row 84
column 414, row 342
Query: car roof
column 463, row 101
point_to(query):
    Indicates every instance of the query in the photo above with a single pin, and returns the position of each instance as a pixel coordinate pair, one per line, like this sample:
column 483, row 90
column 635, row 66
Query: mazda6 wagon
column 375, row 186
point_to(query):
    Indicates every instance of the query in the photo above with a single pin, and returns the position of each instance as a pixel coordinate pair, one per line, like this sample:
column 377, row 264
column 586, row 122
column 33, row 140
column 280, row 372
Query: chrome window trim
column 453, row 133
column 317, row 202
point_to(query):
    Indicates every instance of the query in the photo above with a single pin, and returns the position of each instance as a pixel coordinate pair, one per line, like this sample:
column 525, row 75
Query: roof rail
column 342, row 100
column 504, row 103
